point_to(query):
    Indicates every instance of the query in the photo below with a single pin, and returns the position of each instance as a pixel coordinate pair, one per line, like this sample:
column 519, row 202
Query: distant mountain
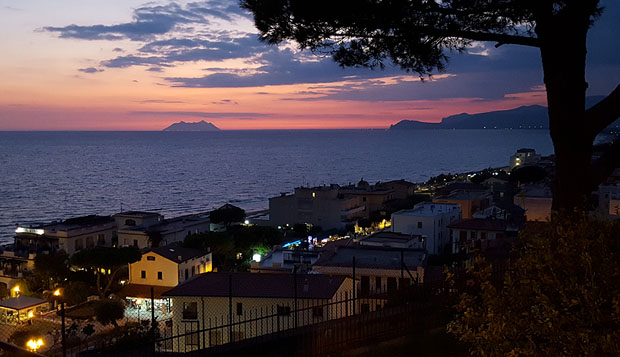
column 525, row 117
column 198, row 126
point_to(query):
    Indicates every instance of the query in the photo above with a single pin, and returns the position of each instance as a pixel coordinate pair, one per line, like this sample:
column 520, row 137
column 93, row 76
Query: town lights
column 16, row 290
column 30, row 314
column 256, row 257
column 34, row 345
column 57, row 292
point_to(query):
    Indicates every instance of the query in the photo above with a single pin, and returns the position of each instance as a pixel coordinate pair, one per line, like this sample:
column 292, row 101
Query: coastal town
column 318, row 255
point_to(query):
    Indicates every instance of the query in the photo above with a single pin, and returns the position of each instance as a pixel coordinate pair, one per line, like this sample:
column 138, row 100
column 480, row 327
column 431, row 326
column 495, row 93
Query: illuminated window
column 313, row 194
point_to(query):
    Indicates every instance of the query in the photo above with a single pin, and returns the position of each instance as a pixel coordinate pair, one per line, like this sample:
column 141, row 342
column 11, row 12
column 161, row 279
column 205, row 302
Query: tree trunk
column 563, row 52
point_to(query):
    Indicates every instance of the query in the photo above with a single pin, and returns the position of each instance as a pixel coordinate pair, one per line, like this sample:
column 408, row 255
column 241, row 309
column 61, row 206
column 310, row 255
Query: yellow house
column 162, row 269
column 212, row 308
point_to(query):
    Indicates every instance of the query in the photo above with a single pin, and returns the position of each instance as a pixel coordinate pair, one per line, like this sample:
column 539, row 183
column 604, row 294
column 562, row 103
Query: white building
column 156, row 231
column 429, row 220
column 524, row 157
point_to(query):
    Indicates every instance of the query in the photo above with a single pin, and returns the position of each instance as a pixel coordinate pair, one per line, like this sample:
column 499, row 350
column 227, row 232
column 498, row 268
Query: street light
column 57, row 293
column 16, row 290
column 139, row 303
column 34, row 345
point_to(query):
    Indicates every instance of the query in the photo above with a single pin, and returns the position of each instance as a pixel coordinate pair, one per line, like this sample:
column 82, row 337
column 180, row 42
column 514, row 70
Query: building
column 379, row 269
column 137, row 218
column 14, row 266
column 479, row 234
column 429, row 220
column 154, row 230
column 283, row 260
column 323, row 206
column 21, row 309
column 609, row 195
column 401, row 189
column 161, row 269
column 393, row 240
column 373, row 197
column 70, row 235
column 470, row 201
column 225, row 300
column 536, row 200
column 524, row 157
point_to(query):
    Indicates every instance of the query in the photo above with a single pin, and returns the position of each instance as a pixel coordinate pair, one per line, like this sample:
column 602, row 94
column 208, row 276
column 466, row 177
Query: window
column 193, row 271
column 101, row 239
column 365, row 288
column 150, row 257
column 143, row 274
column 472, row 235
column 317, row 312
column 135, row 242
column 419, row 224
column 239, row 309
column 186, row 274
column 284, row 310
column 391, row 284
column 378, row 283
column 160, row 275
column 130, row 222
column 90, row 242
column 190, row 310
column 78, row 244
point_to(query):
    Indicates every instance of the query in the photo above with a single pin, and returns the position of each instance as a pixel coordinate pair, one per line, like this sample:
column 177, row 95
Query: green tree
column 416, row 35
column 51, row 268
column 227, row 215
column 528, row 174
column 106, row 263
column 560, row 297
column 109, row 311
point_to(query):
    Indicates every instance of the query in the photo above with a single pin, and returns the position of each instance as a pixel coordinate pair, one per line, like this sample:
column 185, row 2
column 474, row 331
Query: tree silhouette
column 417, row 34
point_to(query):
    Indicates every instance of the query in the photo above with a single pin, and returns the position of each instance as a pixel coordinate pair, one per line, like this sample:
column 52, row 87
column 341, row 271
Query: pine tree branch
column 604, row 112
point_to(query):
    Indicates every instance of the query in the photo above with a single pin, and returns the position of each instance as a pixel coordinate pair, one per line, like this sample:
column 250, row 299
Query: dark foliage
column 109, row 311
column 227, row 215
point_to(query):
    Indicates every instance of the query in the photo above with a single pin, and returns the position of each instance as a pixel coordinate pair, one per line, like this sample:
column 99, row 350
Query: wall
column 169, row 269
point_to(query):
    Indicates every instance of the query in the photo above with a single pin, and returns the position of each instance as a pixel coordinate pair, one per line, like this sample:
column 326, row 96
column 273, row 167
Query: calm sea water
column 54, row 175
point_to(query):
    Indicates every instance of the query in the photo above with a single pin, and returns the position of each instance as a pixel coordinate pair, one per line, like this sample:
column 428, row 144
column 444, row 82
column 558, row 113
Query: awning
column 21, row 303
column 143, row 291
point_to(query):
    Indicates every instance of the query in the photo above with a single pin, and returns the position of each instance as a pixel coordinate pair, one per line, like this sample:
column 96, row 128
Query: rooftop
column 387, row 237
column 171, row 225
column 73, row 223
column 373, row 257
column 176, row 253
column 429, row 209
column 21, row 302
column 464, row 195
column 139, row 214
column 256, row 285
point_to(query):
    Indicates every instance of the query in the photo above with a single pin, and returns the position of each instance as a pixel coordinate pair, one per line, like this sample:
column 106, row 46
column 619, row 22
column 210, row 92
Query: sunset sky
column 136, row 65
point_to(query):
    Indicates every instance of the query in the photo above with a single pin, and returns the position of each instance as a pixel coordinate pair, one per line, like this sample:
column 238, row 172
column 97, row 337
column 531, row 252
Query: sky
column 136, row 65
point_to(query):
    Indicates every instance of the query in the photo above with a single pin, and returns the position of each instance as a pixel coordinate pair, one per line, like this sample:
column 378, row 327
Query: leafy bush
column 561, row 295
column 109, row 311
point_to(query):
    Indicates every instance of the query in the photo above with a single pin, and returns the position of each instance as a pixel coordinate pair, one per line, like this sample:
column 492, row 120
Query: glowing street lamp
column 57, row 292
column 139, row 303
column 16, row 290
column 34, row 345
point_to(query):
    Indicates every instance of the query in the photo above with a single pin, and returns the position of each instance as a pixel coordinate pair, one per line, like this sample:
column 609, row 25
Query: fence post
column 230, row 308
column 295, row 290
column 354, row 286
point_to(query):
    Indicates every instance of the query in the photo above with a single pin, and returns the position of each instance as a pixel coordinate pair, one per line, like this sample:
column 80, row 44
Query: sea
column 46, row 176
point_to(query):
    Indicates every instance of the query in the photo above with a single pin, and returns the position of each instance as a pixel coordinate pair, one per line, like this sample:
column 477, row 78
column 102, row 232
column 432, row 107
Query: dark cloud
column 202, row 114
column 152, row 20
column 170, row 51
column 90, row 70
column 118, row 49
column 162, row 101
column 155, row 69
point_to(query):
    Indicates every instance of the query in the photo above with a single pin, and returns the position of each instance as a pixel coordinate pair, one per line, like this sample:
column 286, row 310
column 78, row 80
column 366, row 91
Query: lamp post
column 139, row 303
column 62, row 322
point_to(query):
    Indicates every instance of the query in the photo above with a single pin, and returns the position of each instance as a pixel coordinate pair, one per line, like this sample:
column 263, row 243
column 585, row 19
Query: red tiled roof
column 480, row 224
column 256, row 285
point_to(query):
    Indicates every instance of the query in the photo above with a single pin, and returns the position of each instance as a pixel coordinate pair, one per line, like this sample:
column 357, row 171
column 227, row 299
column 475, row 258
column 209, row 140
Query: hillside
column 197, row 126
